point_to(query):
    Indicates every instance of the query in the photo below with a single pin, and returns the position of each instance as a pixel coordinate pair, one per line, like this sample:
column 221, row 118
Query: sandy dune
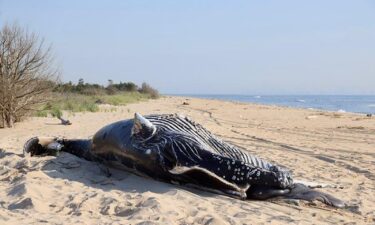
column 332, row 148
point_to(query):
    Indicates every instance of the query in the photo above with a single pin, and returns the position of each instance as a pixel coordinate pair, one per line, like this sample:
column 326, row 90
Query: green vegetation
column 111, row 89
column 124, row 98
column 85, row 97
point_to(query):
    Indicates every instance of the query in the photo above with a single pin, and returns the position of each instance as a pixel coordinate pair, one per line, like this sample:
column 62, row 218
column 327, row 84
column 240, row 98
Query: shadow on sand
column 98, row 176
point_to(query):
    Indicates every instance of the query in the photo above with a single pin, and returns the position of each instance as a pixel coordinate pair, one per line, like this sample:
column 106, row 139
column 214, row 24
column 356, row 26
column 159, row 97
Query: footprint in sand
column 25, row 203
column 126, row 211
column 18, row 190
column 193, row 213
column 209, row 220
column 150, row 203
column 146, row 223
column 107, row 205
column 240, row 215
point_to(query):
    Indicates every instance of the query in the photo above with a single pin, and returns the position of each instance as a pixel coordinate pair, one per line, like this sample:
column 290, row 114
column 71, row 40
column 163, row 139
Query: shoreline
column 274, row 105
column 215, row 97
column 317, row 146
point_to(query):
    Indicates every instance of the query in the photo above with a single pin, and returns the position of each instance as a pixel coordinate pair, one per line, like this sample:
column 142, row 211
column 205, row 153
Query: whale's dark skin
column 174, row 149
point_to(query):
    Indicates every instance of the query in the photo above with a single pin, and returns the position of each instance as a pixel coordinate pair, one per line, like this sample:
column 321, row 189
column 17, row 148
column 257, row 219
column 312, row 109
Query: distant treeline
column 112, row 88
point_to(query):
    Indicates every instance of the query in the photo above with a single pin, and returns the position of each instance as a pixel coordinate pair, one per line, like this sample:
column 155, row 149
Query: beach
column 332, row 148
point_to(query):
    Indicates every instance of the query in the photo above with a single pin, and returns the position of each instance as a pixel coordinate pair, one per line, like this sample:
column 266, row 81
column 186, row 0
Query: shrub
column 41, row 113
column 56, row 112
column 147, row 89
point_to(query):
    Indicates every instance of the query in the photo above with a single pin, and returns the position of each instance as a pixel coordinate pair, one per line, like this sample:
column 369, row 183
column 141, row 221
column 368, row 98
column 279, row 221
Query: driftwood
column 64, row 121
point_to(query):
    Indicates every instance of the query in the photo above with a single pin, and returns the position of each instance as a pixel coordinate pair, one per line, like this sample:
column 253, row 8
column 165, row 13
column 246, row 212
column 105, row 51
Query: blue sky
column 210, row 47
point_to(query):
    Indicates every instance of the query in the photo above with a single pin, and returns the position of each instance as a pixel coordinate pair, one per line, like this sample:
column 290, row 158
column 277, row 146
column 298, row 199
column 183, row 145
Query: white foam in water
column 341, row 111
column 371, row 105
column 258, row 96
column 301, row 100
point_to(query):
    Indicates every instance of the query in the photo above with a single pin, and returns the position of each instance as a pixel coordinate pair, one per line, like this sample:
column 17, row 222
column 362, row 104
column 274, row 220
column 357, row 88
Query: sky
column 209, row 47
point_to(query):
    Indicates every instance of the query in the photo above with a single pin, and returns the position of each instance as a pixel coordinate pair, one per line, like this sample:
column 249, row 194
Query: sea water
column 342, row 103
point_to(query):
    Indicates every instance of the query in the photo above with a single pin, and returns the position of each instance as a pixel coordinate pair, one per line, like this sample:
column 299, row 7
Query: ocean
column 341, row 103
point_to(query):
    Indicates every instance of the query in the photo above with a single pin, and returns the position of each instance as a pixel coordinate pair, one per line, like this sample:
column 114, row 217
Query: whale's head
column 134, row 142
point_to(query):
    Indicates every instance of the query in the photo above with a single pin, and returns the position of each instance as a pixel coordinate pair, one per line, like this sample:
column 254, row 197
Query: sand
column 337, row 149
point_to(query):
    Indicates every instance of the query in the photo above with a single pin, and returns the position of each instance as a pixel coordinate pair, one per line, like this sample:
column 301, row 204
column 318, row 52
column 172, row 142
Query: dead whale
column 175, row 149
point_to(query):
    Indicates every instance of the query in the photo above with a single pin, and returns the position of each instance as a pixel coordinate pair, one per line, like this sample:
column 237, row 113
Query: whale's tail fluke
column 297, row 191
column 52, row 146
column 301, row 191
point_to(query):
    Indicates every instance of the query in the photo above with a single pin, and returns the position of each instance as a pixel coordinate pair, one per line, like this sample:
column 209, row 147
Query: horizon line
column 186, row 94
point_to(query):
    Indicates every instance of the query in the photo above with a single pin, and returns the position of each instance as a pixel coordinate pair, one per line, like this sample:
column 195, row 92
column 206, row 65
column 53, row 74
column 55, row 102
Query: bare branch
column 26, row 73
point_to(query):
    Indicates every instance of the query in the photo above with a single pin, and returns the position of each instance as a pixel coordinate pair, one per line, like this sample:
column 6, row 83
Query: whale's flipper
column 204, row 179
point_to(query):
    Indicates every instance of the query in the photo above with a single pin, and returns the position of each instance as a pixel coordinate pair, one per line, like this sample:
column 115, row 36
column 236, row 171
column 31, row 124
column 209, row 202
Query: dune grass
column 87, row 103
column 124, row 98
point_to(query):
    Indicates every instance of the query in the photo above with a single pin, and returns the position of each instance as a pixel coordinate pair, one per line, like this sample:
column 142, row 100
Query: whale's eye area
column 142, row 129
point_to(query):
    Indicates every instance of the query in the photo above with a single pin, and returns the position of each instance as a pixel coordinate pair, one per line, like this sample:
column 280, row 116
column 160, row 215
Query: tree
column 147, row 89
column 26, row 73
column 81, row 82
